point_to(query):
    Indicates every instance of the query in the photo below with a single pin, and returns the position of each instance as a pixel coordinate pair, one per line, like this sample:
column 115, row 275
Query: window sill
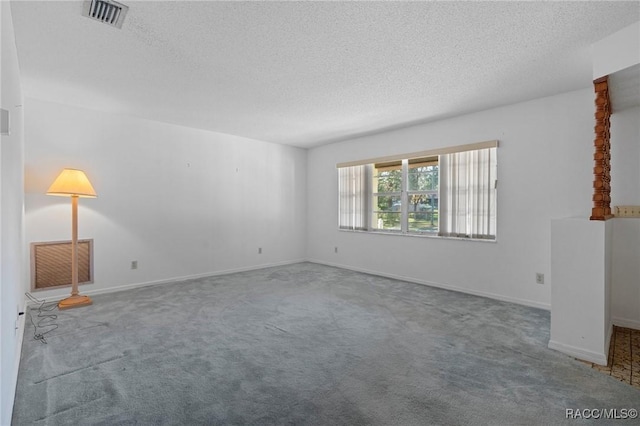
column 420, row 235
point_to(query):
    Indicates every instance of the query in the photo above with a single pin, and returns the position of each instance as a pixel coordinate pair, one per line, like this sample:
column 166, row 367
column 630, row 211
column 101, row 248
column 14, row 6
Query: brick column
column 602, row 169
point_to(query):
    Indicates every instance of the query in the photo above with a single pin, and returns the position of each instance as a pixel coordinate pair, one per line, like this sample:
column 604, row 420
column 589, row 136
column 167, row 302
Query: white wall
column 625, row 157
column 625, row 190
column 616, row 52
column 11, row 218
column 545, row 162
column 581, row 268
column 182, row 202
column 625, row 304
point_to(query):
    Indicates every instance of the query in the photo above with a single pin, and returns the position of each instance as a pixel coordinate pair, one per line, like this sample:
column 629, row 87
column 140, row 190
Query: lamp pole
column 74, row 245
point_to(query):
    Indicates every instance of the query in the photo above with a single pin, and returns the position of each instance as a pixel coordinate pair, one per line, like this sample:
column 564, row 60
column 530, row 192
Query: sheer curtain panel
column 352, row 204
column 468, row 194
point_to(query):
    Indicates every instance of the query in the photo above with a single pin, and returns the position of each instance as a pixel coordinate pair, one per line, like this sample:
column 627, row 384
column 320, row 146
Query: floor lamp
column 75, row 184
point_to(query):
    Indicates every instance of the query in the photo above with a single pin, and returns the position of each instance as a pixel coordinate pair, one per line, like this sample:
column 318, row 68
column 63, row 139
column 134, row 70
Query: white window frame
column 373, row 194
column 404, row 194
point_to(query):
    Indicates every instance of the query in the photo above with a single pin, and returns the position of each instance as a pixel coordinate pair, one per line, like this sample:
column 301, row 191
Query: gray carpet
column 303, row 344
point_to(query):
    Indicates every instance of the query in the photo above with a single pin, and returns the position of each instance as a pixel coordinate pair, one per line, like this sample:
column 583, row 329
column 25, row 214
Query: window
column 422, row 194
column 387, row 196
column 449, row 192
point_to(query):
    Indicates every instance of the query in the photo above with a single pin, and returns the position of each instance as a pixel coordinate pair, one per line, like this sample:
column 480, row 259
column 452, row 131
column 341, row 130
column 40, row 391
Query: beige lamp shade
column 72, row 182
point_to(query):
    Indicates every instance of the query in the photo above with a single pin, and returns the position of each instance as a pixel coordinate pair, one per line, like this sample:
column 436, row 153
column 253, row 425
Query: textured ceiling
column 307, row 73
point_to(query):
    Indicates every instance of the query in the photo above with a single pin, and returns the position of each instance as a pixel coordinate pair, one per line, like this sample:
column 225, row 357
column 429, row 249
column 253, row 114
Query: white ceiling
column 308, row 73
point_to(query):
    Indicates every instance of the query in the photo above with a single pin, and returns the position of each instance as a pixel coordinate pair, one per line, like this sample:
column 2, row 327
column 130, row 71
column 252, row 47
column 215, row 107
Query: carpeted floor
column 304, row 344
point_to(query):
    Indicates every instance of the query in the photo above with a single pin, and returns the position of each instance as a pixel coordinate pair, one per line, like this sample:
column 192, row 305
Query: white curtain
column 467, row 204
column 352, row 189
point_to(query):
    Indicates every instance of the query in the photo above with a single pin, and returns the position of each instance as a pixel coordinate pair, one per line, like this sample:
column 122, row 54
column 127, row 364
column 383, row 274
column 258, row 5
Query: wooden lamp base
column 74, row 302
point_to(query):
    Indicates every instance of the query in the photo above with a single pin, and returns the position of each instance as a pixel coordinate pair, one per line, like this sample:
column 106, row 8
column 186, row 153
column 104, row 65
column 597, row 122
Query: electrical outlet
column 335, row 250
column 259, row 250
column 134, row 264
column 539, row 278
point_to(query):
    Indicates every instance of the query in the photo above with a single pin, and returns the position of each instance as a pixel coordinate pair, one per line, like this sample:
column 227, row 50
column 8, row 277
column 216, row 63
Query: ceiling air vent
column 107, row 11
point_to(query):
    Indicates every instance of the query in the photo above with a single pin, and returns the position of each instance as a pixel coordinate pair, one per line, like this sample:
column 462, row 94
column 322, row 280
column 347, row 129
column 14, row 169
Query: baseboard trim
column 125, row 287
column 626, row 322
column 494, row 296
column 582, row 354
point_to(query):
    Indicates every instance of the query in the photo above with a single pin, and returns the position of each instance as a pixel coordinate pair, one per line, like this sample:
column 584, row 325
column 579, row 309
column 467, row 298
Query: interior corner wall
column 625, row 157
column 181, row 202
column 625, row 190
column 11, row 218
column 545, row 161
